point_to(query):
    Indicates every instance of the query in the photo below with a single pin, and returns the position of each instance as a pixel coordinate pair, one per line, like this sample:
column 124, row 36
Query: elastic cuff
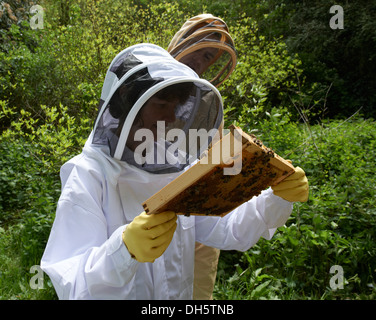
column 119, row 252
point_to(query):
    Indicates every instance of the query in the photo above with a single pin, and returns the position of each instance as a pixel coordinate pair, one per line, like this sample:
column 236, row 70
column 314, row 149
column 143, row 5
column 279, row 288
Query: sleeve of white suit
column 244, row 226
column 80, row 258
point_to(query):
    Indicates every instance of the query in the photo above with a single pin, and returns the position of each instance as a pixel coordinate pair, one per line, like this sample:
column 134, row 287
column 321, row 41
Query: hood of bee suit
column 206, row 32
column 140, row 127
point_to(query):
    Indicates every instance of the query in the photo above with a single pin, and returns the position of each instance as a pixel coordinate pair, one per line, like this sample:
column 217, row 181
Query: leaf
column 259, row 290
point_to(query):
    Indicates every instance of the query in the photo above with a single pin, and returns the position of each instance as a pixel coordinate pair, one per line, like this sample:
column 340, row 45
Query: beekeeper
column 102, row 245
column 204, row 44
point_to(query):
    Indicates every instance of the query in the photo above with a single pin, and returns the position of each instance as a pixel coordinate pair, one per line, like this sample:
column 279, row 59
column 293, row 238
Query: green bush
column 335, row 227
column 265, row 76
column 32, row 152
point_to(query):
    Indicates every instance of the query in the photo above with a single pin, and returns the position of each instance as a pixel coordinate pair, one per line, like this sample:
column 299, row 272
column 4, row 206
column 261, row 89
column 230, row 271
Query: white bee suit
column 85, row 256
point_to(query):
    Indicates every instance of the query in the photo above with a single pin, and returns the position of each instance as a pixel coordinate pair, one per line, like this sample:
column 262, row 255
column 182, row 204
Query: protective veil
column 134, row 76
column 210, row 36
column 103, row 189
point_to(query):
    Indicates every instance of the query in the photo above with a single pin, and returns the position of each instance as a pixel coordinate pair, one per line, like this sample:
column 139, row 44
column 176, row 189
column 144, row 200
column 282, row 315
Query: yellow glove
column 294, row 188
column 148, row 236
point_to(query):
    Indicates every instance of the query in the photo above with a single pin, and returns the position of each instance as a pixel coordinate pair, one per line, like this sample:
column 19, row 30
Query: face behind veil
column 205, row 45
column 155, row 112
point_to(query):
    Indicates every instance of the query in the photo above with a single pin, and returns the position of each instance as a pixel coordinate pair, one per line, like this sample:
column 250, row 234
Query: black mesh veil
column 155, row 113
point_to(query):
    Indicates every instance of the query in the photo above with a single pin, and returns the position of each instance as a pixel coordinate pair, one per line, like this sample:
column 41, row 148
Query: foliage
column 66, row 61
column 32, row 152
column 338, row 58
column 335, row 227
column 270, row 73
column 14, row 11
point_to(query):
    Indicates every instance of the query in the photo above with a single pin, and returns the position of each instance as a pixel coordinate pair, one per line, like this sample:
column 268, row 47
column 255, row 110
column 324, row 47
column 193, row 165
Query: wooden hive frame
column 206, row 188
